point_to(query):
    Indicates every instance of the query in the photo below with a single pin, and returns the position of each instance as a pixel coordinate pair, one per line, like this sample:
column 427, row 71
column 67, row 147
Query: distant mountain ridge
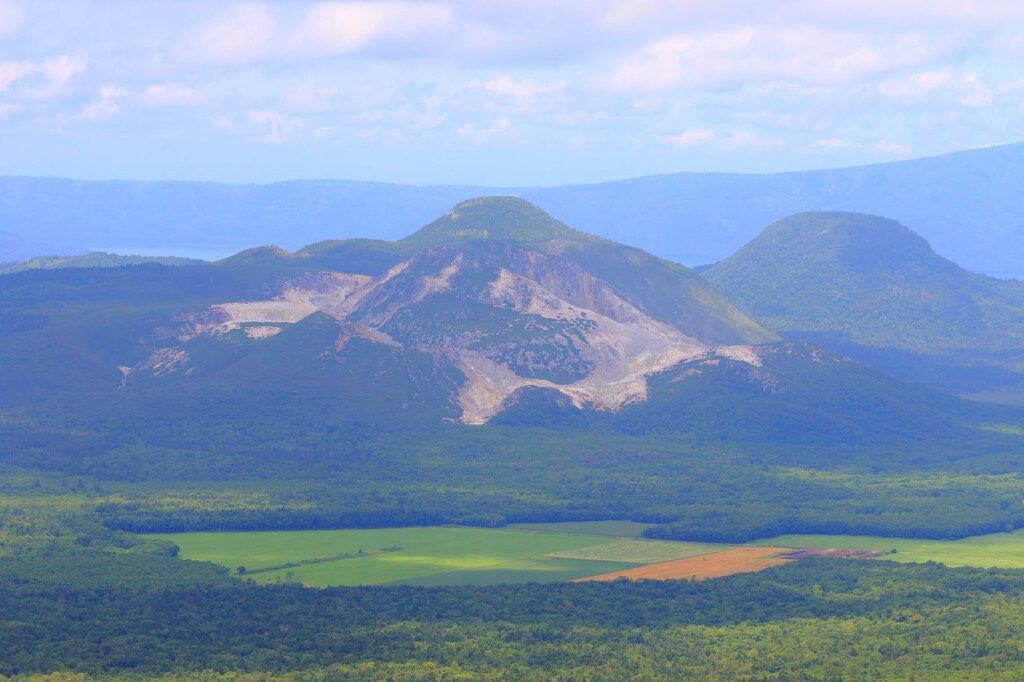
column 96, row 259
column 969, row 205
column 875, row 289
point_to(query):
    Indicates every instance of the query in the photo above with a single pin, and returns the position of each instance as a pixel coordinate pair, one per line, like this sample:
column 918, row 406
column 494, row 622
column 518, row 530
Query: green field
column 618, row 529
column 449, row 555
column 639, row 551
column 455, row 554
column 532, row 569
column 997, row 550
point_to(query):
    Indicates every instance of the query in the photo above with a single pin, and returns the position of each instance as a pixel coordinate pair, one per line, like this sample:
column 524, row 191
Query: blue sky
column 503, row 92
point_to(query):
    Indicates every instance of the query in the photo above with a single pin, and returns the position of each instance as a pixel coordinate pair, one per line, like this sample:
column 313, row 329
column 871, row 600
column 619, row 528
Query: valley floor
column 602, row 550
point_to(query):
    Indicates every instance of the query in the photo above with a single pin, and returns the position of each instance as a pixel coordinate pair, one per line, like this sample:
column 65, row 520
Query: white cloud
column 965, row 89
column 104, row 108
column 41, row 80
column 893, row 148
column 171, row 95
column 245, row 34
column 57, row 72
column 744, row 139
column 11, row 18
column 916, row 87
column 12, row 71
column 835, row 143
column 877, row 14
column 690, row 138
column 278, row 127
column 258, row 32
column 470, row 133
column 521, row 89
column 628, row 14
column 756, row 54
column 926, row 13
column 310, row 98
column 618, row 76
column 60, row 70
column 346, row 27
column 522, row 97
column 973, row 93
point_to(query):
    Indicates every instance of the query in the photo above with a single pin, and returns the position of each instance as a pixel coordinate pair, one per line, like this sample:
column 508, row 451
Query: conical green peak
column 493, row 218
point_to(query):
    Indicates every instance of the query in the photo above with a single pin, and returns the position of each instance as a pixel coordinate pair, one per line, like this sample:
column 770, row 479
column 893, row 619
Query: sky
column 499, row 92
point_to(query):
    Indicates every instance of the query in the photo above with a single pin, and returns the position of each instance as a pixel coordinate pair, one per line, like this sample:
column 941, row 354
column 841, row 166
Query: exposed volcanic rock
column 509, row 311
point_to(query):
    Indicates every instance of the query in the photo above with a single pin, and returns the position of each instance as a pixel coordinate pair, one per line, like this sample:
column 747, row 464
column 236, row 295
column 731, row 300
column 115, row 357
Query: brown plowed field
column 715, row 565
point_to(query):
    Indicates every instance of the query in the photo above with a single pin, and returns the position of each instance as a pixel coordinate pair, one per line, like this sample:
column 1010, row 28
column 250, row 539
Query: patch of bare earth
column 262, row 332
column 714, row 565
column 623, row 345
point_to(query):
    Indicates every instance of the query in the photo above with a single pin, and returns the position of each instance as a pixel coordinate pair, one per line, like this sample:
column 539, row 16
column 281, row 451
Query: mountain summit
column 493, row 218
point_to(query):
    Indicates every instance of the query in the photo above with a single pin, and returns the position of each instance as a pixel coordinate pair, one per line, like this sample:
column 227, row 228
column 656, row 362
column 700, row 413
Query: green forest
column 319, row 428
column 139, row 613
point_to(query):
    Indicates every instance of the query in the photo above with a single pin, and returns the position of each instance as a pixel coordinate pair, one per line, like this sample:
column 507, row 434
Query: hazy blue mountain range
column 969, row 205
column 873, row 288
column 95, row 259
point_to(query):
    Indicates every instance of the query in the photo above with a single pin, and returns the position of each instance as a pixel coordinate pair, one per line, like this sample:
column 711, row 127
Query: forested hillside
column 874, row 289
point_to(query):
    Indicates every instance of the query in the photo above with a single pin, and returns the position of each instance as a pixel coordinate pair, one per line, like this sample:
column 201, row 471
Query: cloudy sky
column 505, row 92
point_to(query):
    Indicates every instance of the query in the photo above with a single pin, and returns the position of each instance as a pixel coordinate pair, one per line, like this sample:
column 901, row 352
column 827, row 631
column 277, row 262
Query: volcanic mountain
column 456, row 320
column 876, row 290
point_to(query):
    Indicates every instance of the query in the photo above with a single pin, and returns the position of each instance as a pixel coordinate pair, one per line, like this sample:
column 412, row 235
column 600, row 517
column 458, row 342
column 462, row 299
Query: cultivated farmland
column 365, row 557
column 738, row 560
column 639, row 551
column 995, row 550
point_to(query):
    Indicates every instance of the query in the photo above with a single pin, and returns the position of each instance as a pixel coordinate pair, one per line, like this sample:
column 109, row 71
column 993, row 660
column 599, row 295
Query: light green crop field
column 639, row 551
column 424, row 552
column 531, row 570
column 618, row 529
column 997, row 550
